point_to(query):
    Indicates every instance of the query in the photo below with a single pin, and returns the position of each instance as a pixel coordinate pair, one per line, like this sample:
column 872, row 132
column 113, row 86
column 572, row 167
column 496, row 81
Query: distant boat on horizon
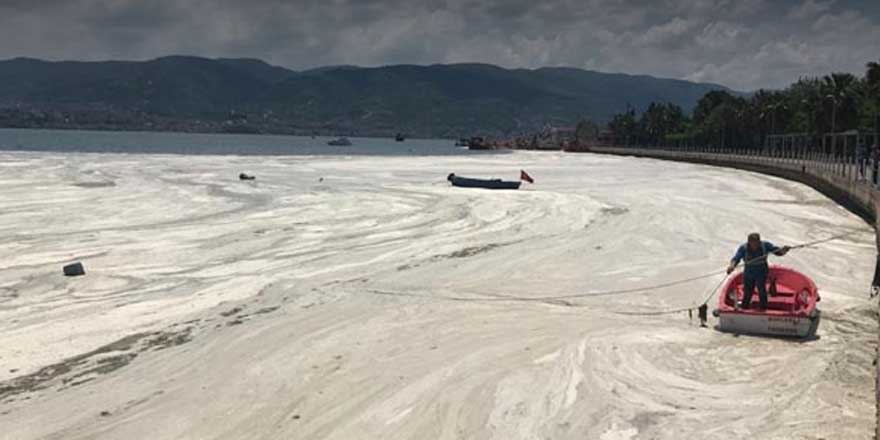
column 339, row 142
column 400, row 137
column 479, row 143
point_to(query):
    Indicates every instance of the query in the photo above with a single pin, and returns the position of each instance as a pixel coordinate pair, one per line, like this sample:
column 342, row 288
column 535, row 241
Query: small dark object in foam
column 74, row 270
column 244, row 176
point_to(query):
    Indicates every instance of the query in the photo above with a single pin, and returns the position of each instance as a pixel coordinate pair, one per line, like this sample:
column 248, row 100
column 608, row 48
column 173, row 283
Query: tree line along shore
column 809, row 108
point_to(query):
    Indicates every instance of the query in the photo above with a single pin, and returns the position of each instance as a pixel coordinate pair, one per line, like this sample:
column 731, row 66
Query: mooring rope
column 720, row 283
column 562, row 299
column 678, row 310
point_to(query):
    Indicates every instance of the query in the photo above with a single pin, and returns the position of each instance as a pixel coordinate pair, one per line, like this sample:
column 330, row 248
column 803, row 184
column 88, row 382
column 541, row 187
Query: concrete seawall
column 834, row 178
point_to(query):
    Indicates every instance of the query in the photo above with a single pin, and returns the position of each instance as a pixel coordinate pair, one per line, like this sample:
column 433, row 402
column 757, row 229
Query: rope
column 635, row 289
column 562, row 298
column 825, row 240
column 720, row 283
column 679, row 310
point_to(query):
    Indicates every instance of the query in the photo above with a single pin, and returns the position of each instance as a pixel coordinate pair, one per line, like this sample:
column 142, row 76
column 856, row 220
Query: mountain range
column 200, row 94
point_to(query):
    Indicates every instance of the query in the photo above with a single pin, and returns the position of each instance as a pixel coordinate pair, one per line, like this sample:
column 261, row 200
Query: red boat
column 791, row 306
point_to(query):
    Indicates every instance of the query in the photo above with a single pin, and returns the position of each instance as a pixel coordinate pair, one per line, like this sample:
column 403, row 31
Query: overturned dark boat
column 466, row 182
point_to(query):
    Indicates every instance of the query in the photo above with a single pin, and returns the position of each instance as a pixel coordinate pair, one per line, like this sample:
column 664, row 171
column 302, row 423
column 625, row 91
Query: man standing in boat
column 754, row 253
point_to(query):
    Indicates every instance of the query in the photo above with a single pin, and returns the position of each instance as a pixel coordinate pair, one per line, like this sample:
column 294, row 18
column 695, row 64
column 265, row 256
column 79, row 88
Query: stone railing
column 851, row 182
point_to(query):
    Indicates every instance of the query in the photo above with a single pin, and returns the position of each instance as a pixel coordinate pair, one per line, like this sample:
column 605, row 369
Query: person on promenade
column 754, row 253
column 875, row 158
column 862, row 158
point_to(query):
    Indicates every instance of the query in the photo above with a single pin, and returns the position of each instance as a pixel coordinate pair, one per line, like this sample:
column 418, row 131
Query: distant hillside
column 199, row 94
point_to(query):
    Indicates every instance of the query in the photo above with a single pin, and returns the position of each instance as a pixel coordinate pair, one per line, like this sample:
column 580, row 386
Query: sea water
column 219, row 144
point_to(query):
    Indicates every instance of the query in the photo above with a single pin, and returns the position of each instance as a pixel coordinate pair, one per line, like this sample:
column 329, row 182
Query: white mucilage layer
column 269, row 291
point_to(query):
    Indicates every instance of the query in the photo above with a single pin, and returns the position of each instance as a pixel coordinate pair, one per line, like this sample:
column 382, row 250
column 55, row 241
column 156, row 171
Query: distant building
column 555, row 138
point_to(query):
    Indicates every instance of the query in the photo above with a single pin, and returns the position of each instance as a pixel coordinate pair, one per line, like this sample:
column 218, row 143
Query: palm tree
column 805, row 99
column 758, row 105
column 841, row 90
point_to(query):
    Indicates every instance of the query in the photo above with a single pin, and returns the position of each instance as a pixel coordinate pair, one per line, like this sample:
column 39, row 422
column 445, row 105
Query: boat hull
column 465, row 182
column 478, row 143
column 341, row 142
column 791, row 306
column 774, row 325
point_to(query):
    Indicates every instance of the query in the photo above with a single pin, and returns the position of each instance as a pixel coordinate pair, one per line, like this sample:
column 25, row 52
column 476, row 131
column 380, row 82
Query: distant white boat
column 340, row 142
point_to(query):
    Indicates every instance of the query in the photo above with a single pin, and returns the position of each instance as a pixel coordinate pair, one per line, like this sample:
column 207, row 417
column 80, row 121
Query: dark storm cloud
column 745, row 44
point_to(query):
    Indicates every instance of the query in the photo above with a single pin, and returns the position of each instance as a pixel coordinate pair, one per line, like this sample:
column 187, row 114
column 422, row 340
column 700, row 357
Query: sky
column 743, row 44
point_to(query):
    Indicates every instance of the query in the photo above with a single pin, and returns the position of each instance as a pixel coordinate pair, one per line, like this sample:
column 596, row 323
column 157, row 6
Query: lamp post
column 812, row 121
column 773, row 108
column 833, row 112
column 833, row 99
column 770, row 144
column 874, row 91
column 811, row 124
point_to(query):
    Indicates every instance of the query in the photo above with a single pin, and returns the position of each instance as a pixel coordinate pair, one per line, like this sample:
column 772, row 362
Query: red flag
column 525, row 176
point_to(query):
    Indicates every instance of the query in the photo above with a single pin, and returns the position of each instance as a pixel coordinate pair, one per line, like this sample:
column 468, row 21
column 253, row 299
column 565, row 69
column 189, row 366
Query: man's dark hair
column 754, row 236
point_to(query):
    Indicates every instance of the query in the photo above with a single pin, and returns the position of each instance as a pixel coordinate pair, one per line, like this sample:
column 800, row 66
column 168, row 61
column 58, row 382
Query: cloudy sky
column 744, row 44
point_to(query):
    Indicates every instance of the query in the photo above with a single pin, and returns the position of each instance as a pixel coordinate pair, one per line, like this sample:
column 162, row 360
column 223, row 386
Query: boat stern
column 752, row 323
